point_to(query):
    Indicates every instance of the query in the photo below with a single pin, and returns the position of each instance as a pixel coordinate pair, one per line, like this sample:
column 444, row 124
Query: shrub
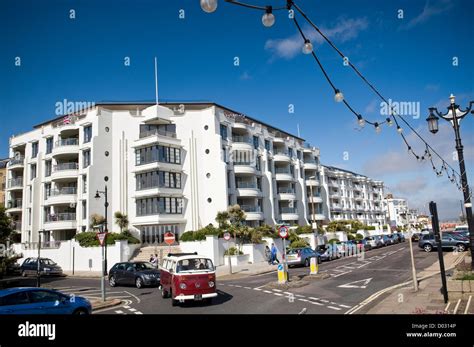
column 369, row 227
column 299, row 243
column 333, row 241
column 305, row 229
column 89, row 239
column 359, row 236
column 350, row 236
column 233, row 251
column 200, row 235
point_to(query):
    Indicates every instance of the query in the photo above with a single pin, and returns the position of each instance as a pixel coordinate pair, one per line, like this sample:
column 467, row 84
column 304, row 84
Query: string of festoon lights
column 268, row 20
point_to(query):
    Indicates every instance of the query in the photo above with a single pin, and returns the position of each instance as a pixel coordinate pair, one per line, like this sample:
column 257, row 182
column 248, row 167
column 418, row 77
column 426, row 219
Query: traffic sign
column 283, row 231
column 227, row 236
column 169, row 238
column 101, row 237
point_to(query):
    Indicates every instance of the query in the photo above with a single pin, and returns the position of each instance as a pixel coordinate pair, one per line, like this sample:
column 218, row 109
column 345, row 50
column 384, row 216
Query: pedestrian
column 268, row 255
column 156, row 260
column 274, row 254
column 152, row 257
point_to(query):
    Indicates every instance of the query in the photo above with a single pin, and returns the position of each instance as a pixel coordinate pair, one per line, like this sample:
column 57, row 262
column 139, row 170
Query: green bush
column 369, row 227
column 305, row 229
column 89, row 238
column 200, row 235
column 359, row 236
column 350, row 237
column 233, row 251
column 299, row 243
column 333, row 241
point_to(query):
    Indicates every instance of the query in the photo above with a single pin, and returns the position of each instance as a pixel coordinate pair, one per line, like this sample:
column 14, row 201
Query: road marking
column 468, row 304
column 345, row 306
column 277, row 290
column 119, row 312
column 278, row 294
column 238, row 286
column 138, row 312
column 267, row 291
column 313, row 298
column 127, row 307
column 136, row 298
column 316, row 303
column 457, row 306
column 299, row 295
column 304, row 300
column 247, row 288
column 132, row 309
column 343, row 273
column 323, row 300
column 352, row 284
column 257, row 289
column 334, row 308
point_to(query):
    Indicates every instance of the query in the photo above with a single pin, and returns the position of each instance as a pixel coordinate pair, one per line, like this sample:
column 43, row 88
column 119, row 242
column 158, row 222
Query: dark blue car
column 41, row 301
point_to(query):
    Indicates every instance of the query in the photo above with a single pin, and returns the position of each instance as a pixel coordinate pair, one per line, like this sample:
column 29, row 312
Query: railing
column 247, row 163
column 15, row 182
column 250, row 208
column 315, row 195
column 310, row 161
column 282, row 170
column 280, row 152
column 66, row 166
column 67, row 142
column 286, row 190
column 60, row 217
column 242, row 139
column 246, row 185
column 288, row 210
column 64, row 191
column 16, row 161
column 154, row 132
column 44, row 245
column 15, row 203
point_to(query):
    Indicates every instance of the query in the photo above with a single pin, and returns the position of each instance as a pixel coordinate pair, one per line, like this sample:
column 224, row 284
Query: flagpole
column 156, row 81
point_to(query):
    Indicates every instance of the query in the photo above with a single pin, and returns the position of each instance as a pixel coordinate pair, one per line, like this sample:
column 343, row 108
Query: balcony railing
column 288, row 210
column 310, row 161
column 241, row 139
column 64, row 191
column 15, row 182
column 66, row 166
column 16, row 161
column 286, row 190
column 247, row 163
column 250, row 208
column 280, row 152
column 280, row 170
column 60, row 217
column 246, row 185
column 156, row 132
column 44, row 245
column 15, row 203
column 67, row 142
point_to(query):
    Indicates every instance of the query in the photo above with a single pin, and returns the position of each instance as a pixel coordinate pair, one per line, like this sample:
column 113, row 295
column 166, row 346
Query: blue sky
column 408, row 59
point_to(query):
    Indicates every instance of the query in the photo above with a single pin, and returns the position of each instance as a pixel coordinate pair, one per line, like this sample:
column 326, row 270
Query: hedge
column 89, row 238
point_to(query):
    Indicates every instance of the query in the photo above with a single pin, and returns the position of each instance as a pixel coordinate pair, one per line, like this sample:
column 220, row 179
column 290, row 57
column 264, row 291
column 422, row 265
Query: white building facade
column 169, row 168
column 397, row 211
column 348, row 195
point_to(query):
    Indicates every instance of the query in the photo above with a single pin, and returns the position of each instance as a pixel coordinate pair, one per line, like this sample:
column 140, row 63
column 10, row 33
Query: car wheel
column 319, row 260
column 174, row 302
column 23, row 274
column 138, row 283
column 112, row 282
column 164, row 293
column 461, row 247
column 428, row 248
column 306, row 262
column 80, row 312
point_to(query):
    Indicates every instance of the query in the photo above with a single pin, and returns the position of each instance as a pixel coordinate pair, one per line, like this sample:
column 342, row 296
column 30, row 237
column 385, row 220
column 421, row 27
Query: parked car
column 301, row 256
column 188, row 276
column 401, row 236
column 364, row 245
column 139, row 274
column 427, row 242
column 328, row 252
column 386, row 240
column 41, row 301
column 373, row 241
column 415, row 237
column 394, row 238
column 461, row 233
column 47, row 267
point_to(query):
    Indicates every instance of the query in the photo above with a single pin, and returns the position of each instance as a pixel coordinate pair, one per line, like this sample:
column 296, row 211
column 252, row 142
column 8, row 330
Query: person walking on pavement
column 268, row 255
column 274, row 254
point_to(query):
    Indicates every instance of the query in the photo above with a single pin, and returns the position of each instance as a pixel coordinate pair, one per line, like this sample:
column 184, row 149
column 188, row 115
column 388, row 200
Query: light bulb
column 307, row 47
column 209, row 6
column 360, row 120
column 399, row 129
column 389, row 122
column 377, row 128
column 338, row 96
column 268, row 19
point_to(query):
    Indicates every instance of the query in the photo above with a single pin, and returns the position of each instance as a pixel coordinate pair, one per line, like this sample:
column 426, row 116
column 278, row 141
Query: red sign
column 283, row 231
column 169, row 238
column 101, row 237
column 226, row 236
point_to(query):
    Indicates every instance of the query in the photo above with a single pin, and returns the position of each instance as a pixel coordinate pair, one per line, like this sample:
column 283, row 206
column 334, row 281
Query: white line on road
column 247, row 288
column 313, row 298
column 267, row 291
column 299, row 295
column 345, row 306
column 323, row 300
column 136, row 298
column 468, row 304
column 303, row 311
column 343, row 273
column 138, row 312
column 277, row 290
column 119, row 312
column 304, row 300
column 278, row 294
column 334, row 308
column 132, row 309
column 257, row 289
column 316, row 303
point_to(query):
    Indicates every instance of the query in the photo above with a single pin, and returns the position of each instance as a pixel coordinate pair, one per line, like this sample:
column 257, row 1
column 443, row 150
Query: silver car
column 301, row 256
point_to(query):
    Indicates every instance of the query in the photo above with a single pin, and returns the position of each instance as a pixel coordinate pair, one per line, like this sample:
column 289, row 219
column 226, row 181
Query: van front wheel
column 164, row 293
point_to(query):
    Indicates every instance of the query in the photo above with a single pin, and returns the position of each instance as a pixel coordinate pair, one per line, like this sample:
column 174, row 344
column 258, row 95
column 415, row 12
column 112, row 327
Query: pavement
column 223, row 271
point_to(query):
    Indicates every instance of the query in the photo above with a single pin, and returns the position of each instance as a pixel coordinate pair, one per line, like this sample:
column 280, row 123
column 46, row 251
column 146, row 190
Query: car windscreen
column 143, row 266
column 294, row 251
column 194, row 264
column 47, row 262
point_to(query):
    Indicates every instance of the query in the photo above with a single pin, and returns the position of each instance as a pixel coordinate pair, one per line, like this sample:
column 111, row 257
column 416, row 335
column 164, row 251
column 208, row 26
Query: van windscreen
column 194, row 264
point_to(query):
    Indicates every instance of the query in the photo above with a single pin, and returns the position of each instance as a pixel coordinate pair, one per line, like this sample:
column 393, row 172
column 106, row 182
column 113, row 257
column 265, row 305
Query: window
column 156, row 179
column 269, row 162
column 49, row 145
column 255, row 142
column 223, row 130
column 47, row 168
column 34, row 149
column 86, row 158
column 87, row 133
column 267, row 145
column 224, row 153
column 157, row 129
column 47, row 190
column 259, row 183
column 158, row 153
column 20, row 298
column 258, row 164
column 159, row 205
column 33, row 171
column 84, row 210
column 84, row 184
column 298, row 154
column 38, row 296
column 290, row 152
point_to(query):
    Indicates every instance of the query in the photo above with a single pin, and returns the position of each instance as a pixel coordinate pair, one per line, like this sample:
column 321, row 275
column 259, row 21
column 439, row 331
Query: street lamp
column 454, row 116
column 106, row 230
column 38, row 269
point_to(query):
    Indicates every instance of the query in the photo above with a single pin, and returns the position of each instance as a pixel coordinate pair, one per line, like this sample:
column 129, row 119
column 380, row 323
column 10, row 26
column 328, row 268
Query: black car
column 134, row 273
column 47, row 267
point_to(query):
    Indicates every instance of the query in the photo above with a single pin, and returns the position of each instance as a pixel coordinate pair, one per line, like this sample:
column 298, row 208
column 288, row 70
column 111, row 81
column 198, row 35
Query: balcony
column 286, row 194
column 335, row 195
column 281, row 156
column 336, row 207
column 247, row 189
column 358, row 197
column 60, row 221
column 289, row 213
column 315, row 199
column 157, row 132
column 283, row 174
column 333, row 183
column 15, row 184
column 357, row 187
column 312, row 182
column 66, row 146
column 17, row 163
column 252, row 212
column 245, row 167
column 242, row 143
column 65, row 171
column 65, row 195
column 317, row 216
column 15, row 205
column 310, row 165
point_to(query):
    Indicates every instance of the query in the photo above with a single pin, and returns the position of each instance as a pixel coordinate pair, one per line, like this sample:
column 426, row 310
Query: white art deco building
column 169, row 168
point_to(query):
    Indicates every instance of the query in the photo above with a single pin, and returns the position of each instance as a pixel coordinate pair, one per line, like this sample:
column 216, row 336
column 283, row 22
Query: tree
column 96, row 219
column 121, row 220
column 236, row 217
column 222, row 218
column 6, row 232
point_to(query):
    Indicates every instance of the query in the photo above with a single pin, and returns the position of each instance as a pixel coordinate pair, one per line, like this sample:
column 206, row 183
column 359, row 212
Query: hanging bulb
column 268, row 18
column 338, row 96
column 360, row 120
column 409, row 149
column 418, row 159
column 378, row 129
column 307, row 47
column 389, row 121
column 209, row 6
column 399, row 129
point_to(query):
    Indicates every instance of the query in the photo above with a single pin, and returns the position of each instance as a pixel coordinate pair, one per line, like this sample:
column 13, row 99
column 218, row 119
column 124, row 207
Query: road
column 352, row 280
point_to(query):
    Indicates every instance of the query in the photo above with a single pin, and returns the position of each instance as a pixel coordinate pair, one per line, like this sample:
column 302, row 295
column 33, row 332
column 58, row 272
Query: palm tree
column 121, row 220
column 222, row 219
column 96, row 219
